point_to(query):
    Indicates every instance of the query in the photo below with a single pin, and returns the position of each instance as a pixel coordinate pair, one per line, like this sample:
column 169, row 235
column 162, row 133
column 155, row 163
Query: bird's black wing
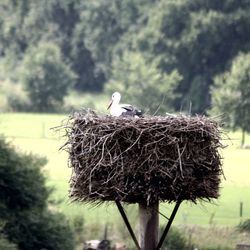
column 130, row 110
column 128, row 107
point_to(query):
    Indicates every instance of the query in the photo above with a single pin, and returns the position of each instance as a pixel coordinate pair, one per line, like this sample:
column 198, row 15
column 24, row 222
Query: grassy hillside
column 32, row 132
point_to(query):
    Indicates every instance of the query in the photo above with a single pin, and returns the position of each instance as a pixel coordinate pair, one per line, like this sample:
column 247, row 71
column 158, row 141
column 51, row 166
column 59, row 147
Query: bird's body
column 117, row 109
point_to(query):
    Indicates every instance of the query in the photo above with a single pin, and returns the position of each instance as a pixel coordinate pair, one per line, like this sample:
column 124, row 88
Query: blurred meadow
column 163, row 56
column 34, row 133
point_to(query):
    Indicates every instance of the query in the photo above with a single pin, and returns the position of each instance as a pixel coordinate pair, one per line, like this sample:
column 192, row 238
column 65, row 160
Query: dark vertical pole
column 241, row 209
column 149, row 226
column 243, row 138
column 105, row 237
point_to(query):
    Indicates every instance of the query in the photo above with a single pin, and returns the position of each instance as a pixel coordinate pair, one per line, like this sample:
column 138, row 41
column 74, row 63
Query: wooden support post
column 149, row 226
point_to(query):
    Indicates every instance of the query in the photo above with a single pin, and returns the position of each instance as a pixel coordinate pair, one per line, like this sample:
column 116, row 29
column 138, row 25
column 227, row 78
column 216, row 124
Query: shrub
column 78, row 227
column 244, row 226
column 12, row 97
column 18, row 103
column 24, row 204
column 175, row 241
column 46, row 230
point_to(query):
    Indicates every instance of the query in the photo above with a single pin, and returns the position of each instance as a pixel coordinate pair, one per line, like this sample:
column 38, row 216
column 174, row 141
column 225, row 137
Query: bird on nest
column 117, row 109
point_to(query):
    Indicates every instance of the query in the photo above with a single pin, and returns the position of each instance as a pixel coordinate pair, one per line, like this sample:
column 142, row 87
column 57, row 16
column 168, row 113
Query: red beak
column 110, row 103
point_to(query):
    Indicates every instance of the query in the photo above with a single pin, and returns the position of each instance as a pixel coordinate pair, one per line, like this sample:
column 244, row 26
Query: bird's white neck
column 116, row 100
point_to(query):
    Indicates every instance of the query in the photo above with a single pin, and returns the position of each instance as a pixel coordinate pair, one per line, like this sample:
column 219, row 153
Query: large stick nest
column 143, row 160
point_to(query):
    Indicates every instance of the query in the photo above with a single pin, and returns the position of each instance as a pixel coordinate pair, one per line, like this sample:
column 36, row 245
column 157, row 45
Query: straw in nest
column 143, row 160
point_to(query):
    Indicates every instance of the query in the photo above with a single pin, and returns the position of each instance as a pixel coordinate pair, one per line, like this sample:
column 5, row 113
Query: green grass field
column 33, row 133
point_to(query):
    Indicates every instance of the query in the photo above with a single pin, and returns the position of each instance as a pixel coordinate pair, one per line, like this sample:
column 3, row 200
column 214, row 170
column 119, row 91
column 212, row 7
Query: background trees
column 46, row 77
column 24, row 24
column 27, row 221
column 142, row 83
column 198, row 39
column 231, row 95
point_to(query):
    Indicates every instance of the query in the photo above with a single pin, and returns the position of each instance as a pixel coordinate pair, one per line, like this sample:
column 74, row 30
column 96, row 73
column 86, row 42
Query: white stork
column 117, row 109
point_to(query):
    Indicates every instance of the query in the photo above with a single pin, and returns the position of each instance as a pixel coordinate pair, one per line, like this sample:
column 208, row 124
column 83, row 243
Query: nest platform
column 143, row 160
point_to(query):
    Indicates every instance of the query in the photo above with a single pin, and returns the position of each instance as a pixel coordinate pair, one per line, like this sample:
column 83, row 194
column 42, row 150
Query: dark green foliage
column 44, row 230
column 175, row 240
column 199, row 39
column 143, row 84
column 231, row 94
column 54, row 22
column 18, row 103
column 46, row 77
column 78, row 223
column 196, row 38
column 22, row 186
column 83, row 64
column 106, row 23
column 24, row 204
column 244, row 226
column 78, row 227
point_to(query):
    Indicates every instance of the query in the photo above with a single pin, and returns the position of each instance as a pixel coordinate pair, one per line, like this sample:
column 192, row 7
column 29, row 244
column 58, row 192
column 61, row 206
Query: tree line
column 173, row 53
column 27, row 220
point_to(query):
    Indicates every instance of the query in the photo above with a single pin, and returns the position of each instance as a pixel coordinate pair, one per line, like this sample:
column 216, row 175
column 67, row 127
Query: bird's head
column 116, row 97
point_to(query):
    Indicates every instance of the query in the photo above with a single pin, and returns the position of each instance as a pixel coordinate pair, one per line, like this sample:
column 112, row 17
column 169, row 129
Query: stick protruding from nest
column 143, row 160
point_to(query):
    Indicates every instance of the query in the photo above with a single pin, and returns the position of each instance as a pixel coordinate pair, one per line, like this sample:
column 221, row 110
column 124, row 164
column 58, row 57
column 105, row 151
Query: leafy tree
column 83, row 64
column 65, row 15
column 142, row 83
column 23, row 203
column 198, row 38
column 25, row 23
column 106, row 23
column 46, row 77
column 22, row 185
column 231, row 95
